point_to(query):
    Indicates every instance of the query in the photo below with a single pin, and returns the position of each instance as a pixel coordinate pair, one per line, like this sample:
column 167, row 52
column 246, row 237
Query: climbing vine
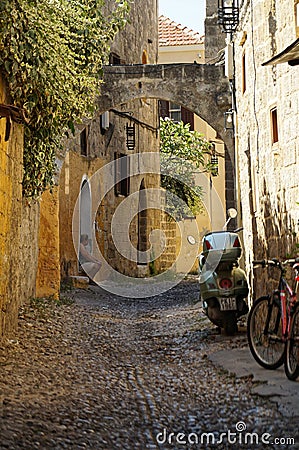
column 51, row 54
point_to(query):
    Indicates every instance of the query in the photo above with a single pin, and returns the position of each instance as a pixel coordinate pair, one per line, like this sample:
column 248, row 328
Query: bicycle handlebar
column 275, row 262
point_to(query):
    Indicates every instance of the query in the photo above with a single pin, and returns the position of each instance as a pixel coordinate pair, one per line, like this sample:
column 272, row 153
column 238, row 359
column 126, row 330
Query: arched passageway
column 201, row 88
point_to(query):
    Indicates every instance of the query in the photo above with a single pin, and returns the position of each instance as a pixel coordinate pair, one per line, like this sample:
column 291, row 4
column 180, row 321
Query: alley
column 106, row 372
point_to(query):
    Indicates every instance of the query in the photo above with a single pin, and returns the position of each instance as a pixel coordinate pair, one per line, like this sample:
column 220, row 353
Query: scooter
column 223, row 285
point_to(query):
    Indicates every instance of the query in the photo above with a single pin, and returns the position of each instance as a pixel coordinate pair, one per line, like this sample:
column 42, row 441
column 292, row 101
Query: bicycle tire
column 269, row 355
column 291, row 363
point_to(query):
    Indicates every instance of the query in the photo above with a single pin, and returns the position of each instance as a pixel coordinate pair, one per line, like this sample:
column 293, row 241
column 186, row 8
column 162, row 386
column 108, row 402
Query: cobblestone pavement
column 108, row 372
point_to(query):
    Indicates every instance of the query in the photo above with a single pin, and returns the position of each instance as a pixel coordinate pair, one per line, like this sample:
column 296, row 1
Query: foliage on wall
column 51, row 54
column 184, row 153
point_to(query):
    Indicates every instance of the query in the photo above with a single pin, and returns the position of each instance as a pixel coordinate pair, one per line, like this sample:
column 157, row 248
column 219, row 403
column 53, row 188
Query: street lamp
column 228, row 15
column 229, row 120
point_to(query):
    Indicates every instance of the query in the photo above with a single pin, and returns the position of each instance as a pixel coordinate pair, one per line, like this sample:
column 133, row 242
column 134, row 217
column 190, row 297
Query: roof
column 172, row 33
column 290, row 54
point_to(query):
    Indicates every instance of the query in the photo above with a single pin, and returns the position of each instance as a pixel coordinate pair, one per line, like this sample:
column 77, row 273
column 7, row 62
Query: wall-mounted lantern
column 214, row 161
column 229, row 120
column 215, row 165
column 130, row 135
column 228, row 15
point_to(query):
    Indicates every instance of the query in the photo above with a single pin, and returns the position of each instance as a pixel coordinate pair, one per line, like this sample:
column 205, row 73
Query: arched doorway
column 85, row 212
column 142, row 243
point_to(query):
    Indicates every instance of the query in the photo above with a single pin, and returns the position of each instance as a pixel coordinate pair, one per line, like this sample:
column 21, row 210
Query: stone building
column 110, row 142
column 266, row 94
column 178, row 44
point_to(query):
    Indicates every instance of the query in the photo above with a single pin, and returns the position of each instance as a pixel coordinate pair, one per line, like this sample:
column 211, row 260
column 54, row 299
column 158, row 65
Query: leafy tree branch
column 184, row 154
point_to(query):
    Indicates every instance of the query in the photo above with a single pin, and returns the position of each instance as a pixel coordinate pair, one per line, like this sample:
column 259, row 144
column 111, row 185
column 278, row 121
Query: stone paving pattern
column 106, row 372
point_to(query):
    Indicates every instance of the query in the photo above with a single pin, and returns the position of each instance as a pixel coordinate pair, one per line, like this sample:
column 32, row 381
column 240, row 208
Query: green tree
column 51, row 54
column 183, row 154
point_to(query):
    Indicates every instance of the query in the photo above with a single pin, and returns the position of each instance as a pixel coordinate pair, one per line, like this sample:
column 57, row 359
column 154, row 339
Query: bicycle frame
column 286, row 306
column 272, row 338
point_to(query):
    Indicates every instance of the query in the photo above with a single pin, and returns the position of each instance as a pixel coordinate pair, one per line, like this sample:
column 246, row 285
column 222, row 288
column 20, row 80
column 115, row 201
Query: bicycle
column 273, row 323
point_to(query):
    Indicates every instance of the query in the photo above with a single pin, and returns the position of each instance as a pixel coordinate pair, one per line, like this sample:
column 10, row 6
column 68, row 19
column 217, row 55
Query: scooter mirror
column 232, row 213
column 191, row 239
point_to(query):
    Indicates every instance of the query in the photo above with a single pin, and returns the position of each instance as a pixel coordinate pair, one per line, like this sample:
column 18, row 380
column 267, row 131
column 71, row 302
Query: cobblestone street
column 106, row 372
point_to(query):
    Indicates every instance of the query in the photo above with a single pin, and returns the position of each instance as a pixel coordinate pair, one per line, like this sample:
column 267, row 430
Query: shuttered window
column 274, row 125
column 188, row 117
column 122, row 174
column 176, row 112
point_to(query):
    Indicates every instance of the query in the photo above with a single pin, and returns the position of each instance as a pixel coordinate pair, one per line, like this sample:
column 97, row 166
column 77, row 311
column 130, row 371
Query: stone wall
column 214, row 54
column 214, row 38
column 18, row 228
column 48, row 270
column 268, row 172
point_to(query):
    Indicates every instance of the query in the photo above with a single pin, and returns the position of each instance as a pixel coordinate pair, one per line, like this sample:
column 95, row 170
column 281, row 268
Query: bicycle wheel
column 267, row 348
column 291, row 363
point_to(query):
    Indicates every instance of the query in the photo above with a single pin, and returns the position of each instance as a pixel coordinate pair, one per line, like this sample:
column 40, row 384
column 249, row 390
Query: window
column 122, row 174
column 297, row 17
column 163, row 109
column 175, row 112
column 274, row 125
column 115, row 59
column 243, row 73
column 187, row 117
column 83, row 142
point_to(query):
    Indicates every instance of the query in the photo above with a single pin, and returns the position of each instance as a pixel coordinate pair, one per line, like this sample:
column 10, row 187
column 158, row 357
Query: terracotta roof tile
column 172, row 33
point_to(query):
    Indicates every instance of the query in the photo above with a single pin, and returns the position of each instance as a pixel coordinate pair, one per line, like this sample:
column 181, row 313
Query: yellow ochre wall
column 18, row 227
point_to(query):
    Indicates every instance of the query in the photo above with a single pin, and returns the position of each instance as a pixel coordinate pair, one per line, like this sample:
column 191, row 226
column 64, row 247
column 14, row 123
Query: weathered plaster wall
column 18, row 228
column 269, row 173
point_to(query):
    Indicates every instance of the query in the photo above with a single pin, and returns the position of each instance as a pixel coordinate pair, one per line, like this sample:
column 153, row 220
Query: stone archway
column 201, row 88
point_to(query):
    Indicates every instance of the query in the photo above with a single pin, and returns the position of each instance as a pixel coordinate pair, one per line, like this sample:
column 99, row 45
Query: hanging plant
column 51, row 54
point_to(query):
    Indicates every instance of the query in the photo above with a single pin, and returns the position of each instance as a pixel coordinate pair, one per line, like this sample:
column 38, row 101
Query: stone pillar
column 214, row 38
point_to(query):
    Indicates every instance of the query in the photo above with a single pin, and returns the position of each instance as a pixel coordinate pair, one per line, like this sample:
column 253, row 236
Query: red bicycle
column 273, row 322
